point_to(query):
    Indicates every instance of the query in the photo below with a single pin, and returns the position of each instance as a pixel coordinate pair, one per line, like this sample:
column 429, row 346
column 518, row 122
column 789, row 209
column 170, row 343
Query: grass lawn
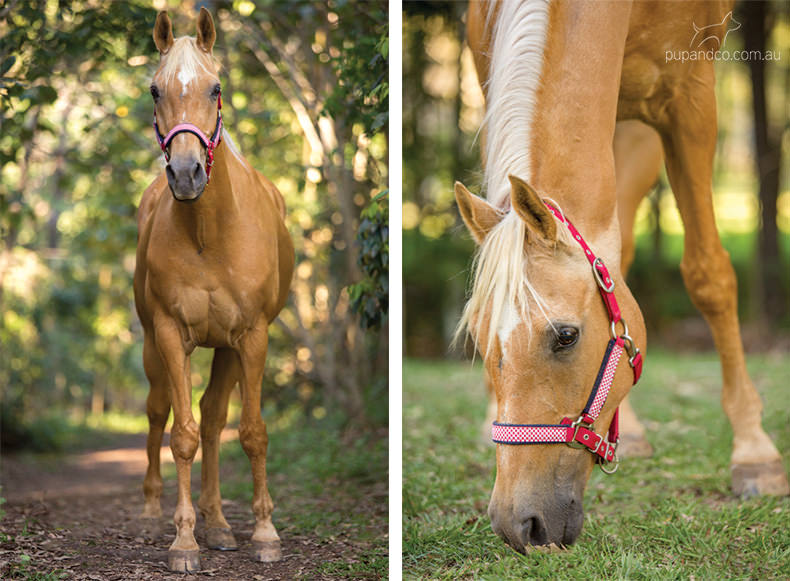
column 666, row 517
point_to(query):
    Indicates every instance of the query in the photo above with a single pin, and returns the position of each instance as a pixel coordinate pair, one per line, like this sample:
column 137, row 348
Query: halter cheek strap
column 581, row 432
column 209, row 143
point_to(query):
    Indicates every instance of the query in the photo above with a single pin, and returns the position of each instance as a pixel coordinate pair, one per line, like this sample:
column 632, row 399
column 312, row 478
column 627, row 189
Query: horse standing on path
column 214, row 266
column 558, row 76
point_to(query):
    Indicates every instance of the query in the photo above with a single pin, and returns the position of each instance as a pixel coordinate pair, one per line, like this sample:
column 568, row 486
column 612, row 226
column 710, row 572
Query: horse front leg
column 183, row 554
column 689, row 143
column 225, row 372
column 254, row 440
column 158, row 409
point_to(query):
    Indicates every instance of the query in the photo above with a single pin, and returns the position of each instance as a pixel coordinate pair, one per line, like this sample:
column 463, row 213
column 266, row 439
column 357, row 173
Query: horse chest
column 213, row 306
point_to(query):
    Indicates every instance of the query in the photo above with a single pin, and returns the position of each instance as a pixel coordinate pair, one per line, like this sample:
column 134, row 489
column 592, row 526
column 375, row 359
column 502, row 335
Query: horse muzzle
column 187, row 178
column 556, row 519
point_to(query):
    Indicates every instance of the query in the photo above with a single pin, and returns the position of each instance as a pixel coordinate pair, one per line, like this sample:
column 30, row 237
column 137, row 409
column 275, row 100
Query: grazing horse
column 549, row 309
column 214, row 265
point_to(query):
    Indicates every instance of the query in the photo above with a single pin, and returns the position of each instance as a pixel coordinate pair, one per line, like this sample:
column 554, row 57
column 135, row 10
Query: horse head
column 537, row 319
column 186, row 93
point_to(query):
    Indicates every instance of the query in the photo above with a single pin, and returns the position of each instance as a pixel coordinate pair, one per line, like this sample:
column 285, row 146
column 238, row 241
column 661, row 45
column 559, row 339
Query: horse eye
column 155, row 92
column 566, row 336
column 215, row 91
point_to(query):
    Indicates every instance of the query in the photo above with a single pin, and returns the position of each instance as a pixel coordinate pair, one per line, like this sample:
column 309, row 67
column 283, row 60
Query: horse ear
column 532, row 210
column 478, row 215
column 206, row 34
column 163, row 32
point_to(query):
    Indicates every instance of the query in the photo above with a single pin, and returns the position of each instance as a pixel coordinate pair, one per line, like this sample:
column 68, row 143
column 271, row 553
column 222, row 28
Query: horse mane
column 185, row 57
column 499, row 280
column 518, row 39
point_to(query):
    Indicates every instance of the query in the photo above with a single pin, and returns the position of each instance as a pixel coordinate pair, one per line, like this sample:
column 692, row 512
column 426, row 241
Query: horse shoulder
column 150, row 200
column 145, row 212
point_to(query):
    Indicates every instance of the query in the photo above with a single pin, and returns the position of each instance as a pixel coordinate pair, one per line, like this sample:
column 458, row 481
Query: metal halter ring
column 598, row 278
column 616, row 463
column 626, row 337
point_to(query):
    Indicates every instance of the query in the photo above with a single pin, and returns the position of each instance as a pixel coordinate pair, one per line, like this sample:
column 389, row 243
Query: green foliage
column 667, row 517
column 370, row 296
column 362, row 71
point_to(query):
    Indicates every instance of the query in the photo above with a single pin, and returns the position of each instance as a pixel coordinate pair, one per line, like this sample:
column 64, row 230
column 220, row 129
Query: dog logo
column 703, row 34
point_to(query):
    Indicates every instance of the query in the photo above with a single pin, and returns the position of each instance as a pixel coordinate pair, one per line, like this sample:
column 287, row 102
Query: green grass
column 667, row 517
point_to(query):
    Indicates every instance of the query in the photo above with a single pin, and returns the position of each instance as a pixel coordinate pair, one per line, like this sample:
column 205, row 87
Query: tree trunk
column 767, row 157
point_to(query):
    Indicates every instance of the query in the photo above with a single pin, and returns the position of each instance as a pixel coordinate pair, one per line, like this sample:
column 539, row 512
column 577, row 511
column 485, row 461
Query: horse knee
column 711, row 284
column 157, row 418
column 254, row 438
column 184, row 440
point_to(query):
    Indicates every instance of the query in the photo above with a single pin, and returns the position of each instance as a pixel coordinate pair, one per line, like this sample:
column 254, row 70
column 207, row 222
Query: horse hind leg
column 638, row 156
column 689, row 142
column 158, row 409
column 225, row 372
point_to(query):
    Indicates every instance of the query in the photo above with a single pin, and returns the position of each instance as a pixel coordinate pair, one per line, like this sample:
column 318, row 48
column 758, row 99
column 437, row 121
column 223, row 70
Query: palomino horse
column 214, row 265
column 551, row 329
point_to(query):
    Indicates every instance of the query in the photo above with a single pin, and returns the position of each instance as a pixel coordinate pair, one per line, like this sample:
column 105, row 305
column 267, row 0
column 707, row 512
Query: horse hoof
column 765, row 478
column 266, row 551
column 633, row 446
column 183, row 561
column 220, row 539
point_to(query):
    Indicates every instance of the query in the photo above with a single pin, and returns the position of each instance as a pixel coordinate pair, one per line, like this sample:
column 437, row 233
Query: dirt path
column 77, row 516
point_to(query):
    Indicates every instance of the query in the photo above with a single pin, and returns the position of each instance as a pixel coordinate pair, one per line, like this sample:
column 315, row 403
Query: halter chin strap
column 209, row 143
column 580, row 433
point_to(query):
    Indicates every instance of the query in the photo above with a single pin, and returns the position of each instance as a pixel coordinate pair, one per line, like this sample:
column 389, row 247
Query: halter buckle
column 579, row 423
column 608, row 288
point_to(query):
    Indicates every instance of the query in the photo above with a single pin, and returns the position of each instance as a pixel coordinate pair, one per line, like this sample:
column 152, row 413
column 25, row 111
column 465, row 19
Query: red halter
column 581, row 433
column 209, row 144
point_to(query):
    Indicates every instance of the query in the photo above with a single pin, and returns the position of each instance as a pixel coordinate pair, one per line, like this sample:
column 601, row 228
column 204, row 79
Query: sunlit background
column 443, row 108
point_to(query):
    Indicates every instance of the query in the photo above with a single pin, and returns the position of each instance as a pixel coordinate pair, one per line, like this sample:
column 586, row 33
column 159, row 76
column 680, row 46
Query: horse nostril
column 196, row 171
column 533, row 531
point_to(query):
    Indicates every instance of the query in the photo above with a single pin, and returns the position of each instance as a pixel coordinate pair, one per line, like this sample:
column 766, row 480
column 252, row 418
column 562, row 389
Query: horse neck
column 568, row 151
column 213, row 216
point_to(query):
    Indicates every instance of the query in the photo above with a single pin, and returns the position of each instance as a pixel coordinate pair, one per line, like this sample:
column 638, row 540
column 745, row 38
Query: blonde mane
column 519, row 38
column 184, row 59
column 499, row 281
